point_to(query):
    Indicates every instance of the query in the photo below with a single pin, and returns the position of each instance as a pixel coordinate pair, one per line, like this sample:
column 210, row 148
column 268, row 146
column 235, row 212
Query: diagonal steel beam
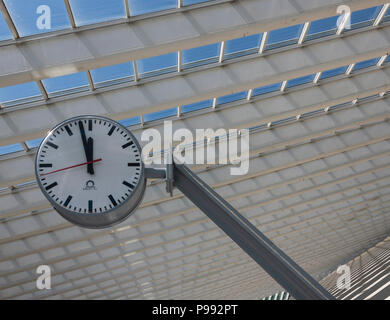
column 8, row 20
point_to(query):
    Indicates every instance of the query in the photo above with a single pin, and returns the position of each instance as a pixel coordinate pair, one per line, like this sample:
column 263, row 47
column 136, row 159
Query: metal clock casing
column 108, row 145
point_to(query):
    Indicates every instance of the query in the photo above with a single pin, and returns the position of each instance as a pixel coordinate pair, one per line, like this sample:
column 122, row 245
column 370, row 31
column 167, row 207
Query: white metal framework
column 319, row 176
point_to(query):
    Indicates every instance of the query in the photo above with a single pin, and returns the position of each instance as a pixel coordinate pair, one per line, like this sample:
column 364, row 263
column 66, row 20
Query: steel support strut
column 278, row 265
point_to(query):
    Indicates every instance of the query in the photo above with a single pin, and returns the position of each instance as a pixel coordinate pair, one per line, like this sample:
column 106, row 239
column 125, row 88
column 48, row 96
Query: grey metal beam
column 127, row 8
column 284, row 270
column 70, row 14
column 102, row 45
column 8, row 20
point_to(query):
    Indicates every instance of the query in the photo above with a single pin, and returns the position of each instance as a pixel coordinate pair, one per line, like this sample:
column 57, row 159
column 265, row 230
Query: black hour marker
column 90, row 125
column 133, row 164
column 67, row 200
column 51, row 185
column 112, row 199
column 52, row 145
column 127, row 144
column 90, row 204
column 111, row 130
column 45, row 165
column 127, row 184
column 68, row 130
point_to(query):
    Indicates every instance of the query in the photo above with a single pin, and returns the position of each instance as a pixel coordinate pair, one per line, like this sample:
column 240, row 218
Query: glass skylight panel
column 200, row 56
column 20, row 93
column 299, row 81
column 284, row 36
column 363, row 18
column 333, row 72
column 89, row 12
column 197, row 106
column 29, row 16
column 312, row 113
column 160, row 114
column 322, row 28
column 267, row 89
column 366, row 64
column 158, row 65
column 232, row 97
column 371, row 97
column 34, row 143
column 130, row 121
column 138, row 7
column 189, row 2
column 113, row 74
column 10, row 149
column 242, row 46
column 283, row 121
column 26, row 184
column 5, row 33
column 70, row 83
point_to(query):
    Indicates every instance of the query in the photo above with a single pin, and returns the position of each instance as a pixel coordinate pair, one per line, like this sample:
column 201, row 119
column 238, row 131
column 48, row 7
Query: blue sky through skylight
column 284, row 36
column 10, row 148
column 333, row 72
column 232, row 97
column 70, row 81
column 300, row 80
column 161, row 63
column 24, row 15
column 323, row 27
column 206, row 54
column 364, row 17
column 19, row 91
column 242, row 44
column 267, row 89
column 138, row 7
column 117, row 71
column 34, row 143
column 130, row 121
column 197, row 106
column 189, row 2
column 88, row 12
column 160, row 114
column 366, row 64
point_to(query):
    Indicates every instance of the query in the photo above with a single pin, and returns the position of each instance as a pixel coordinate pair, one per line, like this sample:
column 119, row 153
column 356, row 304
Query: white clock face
column 89, row 166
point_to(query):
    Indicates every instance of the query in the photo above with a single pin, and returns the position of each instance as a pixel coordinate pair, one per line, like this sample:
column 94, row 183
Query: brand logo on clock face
column 90, row 185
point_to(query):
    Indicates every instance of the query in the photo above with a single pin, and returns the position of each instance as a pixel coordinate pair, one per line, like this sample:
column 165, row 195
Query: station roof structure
column 311, row 85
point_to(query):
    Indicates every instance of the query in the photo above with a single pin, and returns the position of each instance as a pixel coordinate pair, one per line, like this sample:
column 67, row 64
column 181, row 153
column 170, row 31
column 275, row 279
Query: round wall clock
column 90, row 170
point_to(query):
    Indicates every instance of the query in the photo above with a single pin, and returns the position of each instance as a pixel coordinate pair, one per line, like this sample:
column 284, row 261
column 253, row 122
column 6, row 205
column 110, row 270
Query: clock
column 90, row 170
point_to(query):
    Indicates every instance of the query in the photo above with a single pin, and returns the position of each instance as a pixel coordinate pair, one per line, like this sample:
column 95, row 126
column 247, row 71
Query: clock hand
column 90, row 156
column 77, row 165
column 85, row 144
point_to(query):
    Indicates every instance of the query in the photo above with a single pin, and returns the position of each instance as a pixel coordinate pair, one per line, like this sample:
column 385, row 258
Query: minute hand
column 86, row 146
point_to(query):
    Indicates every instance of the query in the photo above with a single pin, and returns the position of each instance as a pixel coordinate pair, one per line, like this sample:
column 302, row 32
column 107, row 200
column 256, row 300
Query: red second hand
column 77, row 165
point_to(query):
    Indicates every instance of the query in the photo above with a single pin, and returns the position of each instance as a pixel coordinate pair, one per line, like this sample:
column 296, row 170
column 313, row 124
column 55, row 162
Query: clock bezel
column 106, row 218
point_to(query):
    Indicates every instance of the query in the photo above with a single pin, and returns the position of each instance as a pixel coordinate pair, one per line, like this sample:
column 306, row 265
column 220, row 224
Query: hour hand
column 90, row 169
